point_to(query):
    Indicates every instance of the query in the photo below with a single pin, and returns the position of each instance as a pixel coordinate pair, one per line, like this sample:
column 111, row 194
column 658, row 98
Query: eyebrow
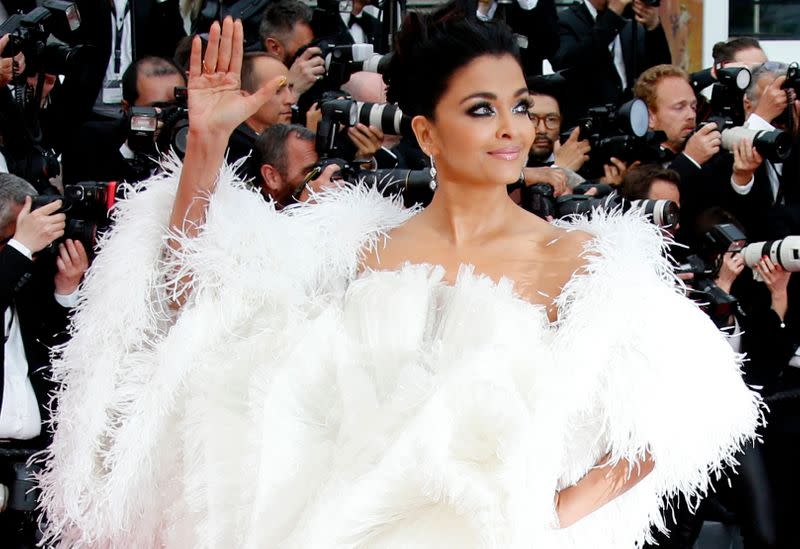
column 491, row 96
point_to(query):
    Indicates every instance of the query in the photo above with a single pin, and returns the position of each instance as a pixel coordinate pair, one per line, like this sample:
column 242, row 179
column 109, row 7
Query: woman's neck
column 468, row 214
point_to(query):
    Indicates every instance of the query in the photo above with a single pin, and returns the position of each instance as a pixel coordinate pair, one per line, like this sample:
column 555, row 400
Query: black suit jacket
column 28, row 286
column 593, row 78
column 540, row 26
column 94, row 154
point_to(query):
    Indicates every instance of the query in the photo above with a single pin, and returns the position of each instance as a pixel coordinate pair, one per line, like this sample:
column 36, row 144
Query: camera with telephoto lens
column 87, row 206
column 338, row 114
column 29, row 33
column 784, row 252
column 774, row 145
column 704, row 266
column 157, row 129
column 621, row 133
column 664, row 213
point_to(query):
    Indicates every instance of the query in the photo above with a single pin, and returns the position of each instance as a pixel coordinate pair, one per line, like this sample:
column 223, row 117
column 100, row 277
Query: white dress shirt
column 615, row 47
column 19, row 415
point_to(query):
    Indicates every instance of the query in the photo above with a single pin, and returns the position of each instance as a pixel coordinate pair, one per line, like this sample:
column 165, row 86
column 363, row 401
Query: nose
column 505, row 124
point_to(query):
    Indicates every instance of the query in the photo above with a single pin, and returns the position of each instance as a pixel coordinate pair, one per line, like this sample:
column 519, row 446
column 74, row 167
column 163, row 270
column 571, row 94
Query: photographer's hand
column 367, row 139
column 326, row 180
column 37, row 229
column 72, row 263
column 773, row 100
column 306, row 70
column 703, row 144
column 777, row 280
column 731, row 268
column 745, row 162
column 646, row 15
column 7, row 63
column 313, row 116
column 555, row 177
column 614, row 173
column 573, row 154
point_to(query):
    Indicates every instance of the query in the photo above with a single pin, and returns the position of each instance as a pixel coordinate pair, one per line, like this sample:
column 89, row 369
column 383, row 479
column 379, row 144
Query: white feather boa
column 291, row 404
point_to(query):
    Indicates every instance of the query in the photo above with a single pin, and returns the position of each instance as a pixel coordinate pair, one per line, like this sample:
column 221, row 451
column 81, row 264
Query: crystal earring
column 433, row 182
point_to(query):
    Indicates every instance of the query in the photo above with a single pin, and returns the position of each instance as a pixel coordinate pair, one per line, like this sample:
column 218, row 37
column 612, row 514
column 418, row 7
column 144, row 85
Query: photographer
column 35, row 295
column 100, row 150
column 738, row 52
column 765, row 191
column 286, row 29
column 598, row 46
column 286, row 158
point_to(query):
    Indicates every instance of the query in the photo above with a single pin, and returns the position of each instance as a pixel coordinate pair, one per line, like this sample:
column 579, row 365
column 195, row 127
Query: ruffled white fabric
column 296, row 403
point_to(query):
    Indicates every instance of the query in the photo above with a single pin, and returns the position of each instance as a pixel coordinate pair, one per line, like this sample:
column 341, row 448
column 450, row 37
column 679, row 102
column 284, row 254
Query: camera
column 774, row 145
column 720, row 239
column 792, row 78
column 664, row 213
column 87, row 206
column 727, row 91
column 162, row 127
column 735, row 78
column 620, row 133
column 784, row 252
column 28, row 34
column 346, row 113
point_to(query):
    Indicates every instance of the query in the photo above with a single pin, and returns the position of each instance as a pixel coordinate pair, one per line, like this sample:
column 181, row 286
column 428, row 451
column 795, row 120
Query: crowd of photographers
column 93, row 91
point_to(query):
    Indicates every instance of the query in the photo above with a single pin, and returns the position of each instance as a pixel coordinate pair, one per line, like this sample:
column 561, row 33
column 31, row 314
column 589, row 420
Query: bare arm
column 216, row 108
column 599, row 486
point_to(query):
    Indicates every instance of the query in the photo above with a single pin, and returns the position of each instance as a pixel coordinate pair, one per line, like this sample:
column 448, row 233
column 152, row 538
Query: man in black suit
column 35, row 296
column 597, row 46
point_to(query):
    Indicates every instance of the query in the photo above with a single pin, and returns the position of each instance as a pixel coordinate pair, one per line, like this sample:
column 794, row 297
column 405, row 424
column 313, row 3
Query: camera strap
column 119, row 24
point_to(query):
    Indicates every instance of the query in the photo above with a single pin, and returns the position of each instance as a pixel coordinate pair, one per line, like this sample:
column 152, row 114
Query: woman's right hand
column 216, row 104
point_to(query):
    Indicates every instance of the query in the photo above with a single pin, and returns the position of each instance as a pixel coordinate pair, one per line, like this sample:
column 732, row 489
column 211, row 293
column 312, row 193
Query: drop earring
column 433, row 182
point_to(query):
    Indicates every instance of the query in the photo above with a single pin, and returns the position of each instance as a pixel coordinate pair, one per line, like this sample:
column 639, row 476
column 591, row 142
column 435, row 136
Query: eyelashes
column 484, row 108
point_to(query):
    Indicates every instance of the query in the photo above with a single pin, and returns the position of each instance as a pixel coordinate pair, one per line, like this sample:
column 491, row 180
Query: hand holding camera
column 776, row 278
column 704, row 144
column 550, row 176
column 367, row 139
column 745, row 161
column 731, row 267
column 773, row 100
column 72, row 263
column 306, row 70
column 646, row 14
column 7, row 64
column 614, row 172
column 37, row 229
column 572, row 154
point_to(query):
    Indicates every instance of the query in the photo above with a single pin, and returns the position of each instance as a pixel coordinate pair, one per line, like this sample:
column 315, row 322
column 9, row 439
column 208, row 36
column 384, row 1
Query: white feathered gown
column 294, row 403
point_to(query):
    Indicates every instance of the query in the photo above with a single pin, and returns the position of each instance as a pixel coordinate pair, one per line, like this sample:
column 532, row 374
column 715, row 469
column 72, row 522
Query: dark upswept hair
column 724, row 52
column 429, row 49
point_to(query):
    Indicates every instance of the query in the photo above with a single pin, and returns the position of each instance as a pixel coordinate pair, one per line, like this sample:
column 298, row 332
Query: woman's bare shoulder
column 392, row 249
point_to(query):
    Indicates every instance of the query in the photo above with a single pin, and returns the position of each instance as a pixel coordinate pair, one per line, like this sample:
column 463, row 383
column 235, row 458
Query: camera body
column 160, row 128
column 28, row 35
column 775, row 145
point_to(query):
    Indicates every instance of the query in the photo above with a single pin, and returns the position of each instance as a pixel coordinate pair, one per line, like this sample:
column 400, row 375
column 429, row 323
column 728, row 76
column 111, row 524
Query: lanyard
column 119, row 24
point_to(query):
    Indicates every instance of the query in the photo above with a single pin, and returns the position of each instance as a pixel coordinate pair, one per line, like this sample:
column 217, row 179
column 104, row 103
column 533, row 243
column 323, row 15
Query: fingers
column 196, row 58
column 778, row 82
column 26, row 208
column 707, row 129
column 311, row 52
column 573, row 137
column 266, row 91
column 225, row 45
column 3, row 42
column 237, row 50
column 212, row 49
column 619, row 164
column 48, row 209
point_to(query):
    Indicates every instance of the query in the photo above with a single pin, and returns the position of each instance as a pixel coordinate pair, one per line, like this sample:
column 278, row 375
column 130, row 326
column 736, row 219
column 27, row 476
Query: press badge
column 112, row 92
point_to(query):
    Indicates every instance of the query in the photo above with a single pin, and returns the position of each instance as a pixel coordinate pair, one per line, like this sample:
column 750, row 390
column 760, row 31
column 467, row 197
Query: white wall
column 715, row 28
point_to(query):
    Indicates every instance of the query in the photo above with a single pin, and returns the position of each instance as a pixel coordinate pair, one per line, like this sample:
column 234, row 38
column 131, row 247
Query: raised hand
column 216, row 105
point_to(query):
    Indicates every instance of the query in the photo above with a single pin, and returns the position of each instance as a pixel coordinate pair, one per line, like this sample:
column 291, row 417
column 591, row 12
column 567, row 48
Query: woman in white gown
column 347, row 373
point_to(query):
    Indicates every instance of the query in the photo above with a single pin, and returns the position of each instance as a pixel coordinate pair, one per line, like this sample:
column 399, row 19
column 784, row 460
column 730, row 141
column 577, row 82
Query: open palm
column 216, row 103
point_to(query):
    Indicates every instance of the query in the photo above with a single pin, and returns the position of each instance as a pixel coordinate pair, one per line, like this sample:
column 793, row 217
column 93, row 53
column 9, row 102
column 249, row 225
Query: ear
column 749, row 106
column 271, row 181
column 651, row 118
column 425, row 132
column 274, row 47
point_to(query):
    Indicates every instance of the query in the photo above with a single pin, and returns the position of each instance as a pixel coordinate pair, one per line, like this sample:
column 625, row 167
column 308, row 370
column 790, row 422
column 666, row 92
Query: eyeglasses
column 551, row 121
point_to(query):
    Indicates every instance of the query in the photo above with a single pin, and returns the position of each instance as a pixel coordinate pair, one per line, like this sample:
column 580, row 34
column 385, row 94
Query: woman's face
column 482, row 132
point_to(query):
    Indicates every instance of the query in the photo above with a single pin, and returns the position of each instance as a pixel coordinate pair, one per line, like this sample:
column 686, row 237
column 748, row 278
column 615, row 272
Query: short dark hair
column 250, row 83
column 146, row 66
column 270, row 146
column 281, row 17
column 638, row 181
column 429, row 49
column 724, row 52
